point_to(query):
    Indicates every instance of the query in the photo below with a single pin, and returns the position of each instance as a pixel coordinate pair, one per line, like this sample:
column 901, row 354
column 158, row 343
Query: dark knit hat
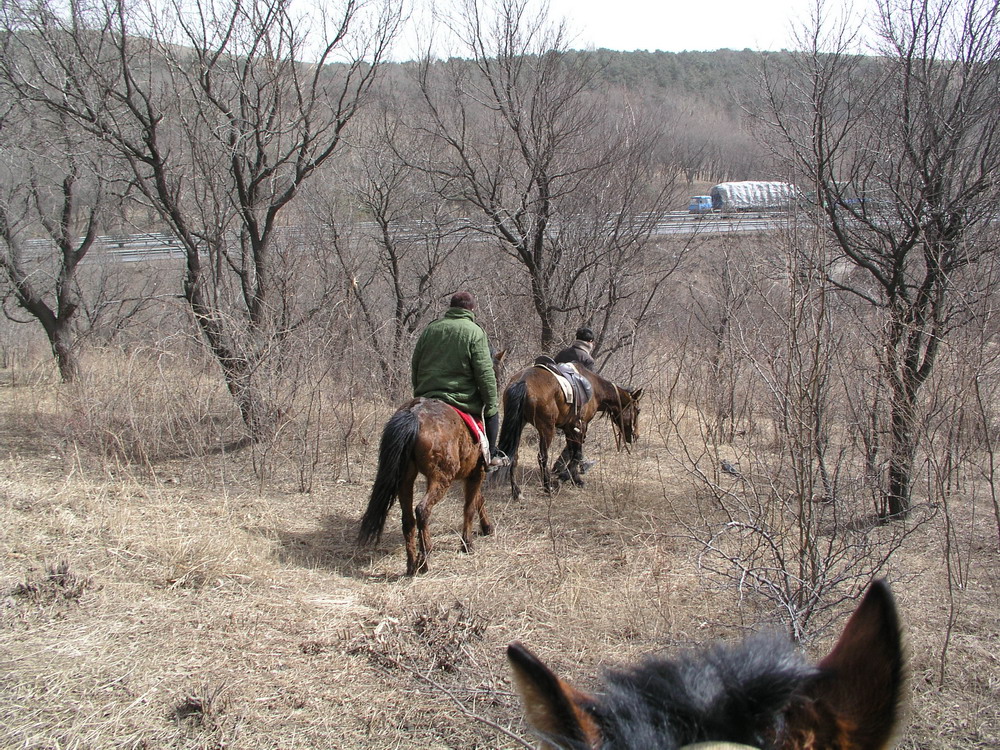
column 464, row 300
column 584, row 334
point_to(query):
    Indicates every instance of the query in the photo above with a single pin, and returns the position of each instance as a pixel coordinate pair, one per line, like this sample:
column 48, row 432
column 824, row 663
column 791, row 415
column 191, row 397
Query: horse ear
column 500, row 355
column 555, row 709
column 636, row 394
column 862, row 679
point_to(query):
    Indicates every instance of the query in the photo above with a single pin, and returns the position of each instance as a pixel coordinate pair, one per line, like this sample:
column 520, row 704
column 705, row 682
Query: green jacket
column 452, row 362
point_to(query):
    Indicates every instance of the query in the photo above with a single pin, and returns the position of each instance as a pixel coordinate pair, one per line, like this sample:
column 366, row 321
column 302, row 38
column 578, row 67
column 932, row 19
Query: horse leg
column 409, row 525
column 545, row 436
column 574, row 449
column 567, row 468
column 562, row 465
column 515, row 491
column 435, row 491
column 474, row 503
column 485, row 522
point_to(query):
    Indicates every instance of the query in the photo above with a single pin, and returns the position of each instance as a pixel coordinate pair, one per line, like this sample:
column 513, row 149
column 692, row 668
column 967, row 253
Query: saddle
column 576, row 389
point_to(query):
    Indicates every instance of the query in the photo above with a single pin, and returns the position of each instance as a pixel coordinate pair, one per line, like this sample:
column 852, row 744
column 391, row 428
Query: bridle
column 616, row 428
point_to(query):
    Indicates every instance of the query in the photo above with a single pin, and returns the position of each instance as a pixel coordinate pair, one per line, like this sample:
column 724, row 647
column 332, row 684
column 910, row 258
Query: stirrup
column 499, row 461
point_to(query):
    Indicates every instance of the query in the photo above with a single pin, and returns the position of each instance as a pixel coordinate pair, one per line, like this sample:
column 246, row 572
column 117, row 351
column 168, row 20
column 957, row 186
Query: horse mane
column 733, row 693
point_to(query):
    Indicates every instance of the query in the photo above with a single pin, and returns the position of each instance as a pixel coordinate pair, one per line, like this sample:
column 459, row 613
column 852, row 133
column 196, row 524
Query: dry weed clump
column 437, row 637
column 56, row 583
column 204, row 712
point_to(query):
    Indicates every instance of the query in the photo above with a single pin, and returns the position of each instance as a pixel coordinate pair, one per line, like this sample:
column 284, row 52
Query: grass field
column 183, row 602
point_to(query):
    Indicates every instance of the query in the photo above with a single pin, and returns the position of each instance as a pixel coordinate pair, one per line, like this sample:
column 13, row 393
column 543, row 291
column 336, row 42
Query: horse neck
column 608, row 395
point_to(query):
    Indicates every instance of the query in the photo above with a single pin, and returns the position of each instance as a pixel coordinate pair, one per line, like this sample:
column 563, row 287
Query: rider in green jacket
column 452, row 362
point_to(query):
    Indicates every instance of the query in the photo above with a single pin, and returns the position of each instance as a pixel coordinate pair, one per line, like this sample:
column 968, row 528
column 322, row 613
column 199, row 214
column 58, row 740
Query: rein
column 616, row 430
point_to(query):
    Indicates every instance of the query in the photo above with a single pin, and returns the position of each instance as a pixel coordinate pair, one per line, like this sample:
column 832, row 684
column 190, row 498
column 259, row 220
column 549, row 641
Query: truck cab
column 700, row 204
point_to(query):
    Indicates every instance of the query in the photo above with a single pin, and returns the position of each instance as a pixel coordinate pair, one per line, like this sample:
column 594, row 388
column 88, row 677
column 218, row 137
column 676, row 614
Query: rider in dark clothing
column 579, row 351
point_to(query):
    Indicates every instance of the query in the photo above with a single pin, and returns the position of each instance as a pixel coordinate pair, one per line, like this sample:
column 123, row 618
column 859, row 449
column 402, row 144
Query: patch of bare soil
column 190, row 606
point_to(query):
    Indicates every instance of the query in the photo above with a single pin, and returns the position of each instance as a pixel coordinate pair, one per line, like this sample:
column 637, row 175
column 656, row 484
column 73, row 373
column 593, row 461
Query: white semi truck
column 749, row 195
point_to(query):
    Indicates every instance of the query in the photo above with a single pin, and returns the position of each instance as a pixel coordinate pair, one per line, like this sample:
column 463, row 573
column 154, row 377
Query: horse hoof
column 486, row 529
column 564, row 476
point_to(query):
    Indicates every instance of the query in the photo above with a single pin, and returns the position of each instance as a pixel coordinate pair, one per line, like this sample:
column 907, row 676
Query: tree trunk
column 62, row 347
column 260, row 417
column 539, row 296
column 58, row 329
column 902, row 450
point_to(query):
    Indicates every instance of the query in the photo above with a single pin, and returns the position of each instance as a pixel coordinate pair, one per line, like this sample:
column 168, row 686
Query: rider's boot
column 497, row 458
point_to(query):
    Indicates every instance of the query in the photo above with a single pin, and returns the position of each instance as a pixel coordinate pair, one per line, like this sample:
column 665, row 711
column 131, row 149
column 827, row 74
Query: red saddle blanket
column 476, row 428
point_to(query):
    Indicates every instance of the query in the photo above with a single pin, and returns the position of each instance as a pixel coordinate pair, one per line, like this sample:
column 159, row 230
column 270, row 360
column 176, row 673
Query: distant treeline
column 710, row 74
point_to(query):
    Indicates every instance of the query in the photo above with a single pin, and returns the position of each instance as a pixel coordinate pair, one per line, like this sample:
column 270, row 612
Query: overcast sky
column 677, row 26
column 669, row 25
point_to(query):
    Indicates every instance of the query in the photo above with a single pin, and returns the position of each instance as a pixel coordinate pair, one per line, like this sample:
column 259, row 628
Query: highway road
column 158, row 246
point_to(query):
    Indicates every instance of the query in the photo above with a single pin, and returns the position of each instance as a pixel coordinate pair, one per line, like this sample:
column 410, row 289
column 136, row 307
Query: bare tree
column 57, row 187
column 902, row 152
column 557, row 175
column 223, row 110
column 399, row 260
column 786, row 514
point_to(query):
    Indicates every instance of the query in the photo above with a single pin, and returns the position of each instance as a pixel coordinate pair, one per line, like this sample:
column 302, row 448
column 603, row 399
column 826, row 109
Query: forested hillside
column 702, row 100
column 697, row 100
column 712, row 75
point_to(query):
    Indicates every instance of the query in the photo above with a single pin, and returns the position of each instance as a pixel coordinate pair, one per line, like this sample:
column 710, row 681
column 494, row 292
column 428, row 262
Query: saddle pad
column 476, row 428
column 567, row 387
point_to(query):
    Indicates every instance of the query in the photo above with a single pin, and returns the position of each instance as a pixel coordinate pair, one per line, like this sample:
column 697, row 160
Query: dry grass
column 180, row 603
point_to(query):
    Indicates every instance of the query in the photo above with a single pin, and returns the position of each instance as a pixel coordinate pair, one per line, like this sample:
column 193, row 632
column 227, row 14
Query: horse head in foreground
column 758, row 694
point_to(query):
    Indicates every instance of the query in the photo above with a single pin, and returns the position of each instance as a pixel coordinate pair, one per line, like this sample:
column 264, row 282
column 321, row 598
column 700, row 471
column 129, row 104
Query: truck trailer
column 754, row 196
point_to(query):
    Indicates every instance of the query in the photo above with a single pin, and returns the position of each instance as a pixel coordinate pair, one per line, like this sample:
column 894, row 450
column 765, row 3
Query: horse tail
column 513, row 418
column 394, row 453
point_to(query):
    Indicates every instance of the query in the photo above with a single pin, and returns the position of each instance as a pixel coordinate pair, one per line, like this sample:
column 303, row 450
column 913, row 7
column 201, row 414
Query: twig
column 472, row 715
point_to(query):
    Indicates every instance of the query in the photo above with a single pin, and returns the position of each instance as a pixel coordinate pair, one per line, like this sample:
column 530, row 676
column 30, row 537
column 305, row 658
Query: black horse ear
column 636, row 394
column 555, row 709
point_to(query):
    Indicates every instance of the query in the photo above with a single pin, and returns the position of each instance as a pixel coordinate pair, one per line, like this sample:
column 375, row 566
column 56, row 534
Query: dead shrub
column 203, row 709
column 437, row 638
column 148, row 406
column 57, row 583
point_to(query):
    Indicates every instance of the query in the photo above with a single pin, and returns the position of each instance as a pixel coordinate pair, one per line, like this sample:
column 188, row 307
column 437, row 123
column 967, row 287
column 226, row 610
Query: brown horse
column 426, row 436
column 759, row 694
column 535, row 397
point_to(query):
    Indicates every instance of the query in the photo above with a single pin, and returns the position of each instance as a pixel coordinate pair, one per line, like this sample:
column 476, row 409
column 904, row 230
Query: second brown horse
column 535, row 397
